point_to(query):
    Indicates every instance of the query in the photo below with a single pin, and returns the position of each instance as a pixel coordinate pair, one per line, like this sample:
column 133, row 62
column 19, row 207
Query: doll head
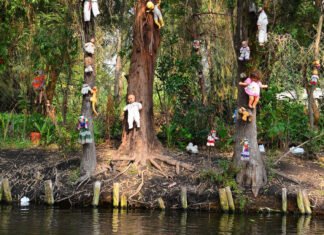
column 92, row 40
column 94, row 89
column 150, row 5
column 317, row 64
column 260, row 9
column 244, row 43
column 315, row 72
column 255, row 76
column 131, row 98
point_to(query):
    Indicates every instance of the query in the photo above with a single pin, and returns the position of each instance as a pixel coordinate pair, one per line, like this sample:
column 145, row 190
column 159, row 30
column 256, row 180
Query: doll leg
column 251, row 99
column 137, row 120
column 130, row 121
column 255, row 102
column 95, row 8
column 86, row 11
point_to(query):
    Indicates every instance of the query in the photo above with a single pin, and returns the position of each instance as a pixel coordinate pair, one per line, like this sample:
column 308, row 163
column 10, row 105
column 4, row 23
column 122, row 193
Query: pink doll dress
column 253, row 88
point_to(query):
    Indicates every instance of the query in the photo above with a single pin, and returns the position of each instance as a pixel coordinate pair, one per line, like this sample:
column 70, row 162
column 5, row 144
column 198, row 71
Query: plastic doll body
column 133, row 109
column 262, row 27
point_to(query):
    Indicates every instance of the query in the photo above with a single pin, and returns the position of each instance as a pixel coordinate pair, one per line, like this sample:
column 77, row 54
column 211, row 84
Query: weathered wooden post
column 300, row 202
column 284, row 200
column 306, row 202
column 6, row 191
column 184, row 202
column 116, row 195
column 123, row 201
column 49, row 198
column 230, row 198
column 96, row 193
column 161, row 203
column 223, row 199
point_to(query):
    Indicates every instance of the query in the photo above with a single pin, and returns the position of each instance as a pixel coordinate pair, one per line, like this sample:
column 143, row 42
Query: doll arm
column 125, row 108
column 139, row 106
column 243, row 84
column 264, row 86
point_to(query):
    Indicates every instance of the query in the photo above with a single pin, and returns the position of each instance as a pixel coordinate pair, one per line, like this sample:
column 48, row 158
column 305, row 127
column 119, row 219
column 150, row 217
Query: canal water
column 40, row 220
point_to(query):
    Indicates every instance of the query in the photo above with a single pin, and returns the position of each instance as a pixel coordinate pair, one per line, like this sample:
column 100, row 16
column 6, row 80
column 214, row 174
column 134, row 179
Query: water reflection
column 43, row 220
column 115, row 220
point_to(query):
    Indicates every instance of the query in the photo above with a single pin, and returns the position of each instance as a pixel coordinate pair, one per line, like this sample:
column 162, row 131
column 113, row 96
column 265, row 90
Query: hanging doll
column 245, row 154
column 133, row 109
column 262, row 26
column 85, row 89
column 211, row 138
column 39, row 85
column 158, row 19
column 314, row 79
column 90, row 47
column 252, row 89
column 88, row 62
column 87, row 7
column 244, row 51
column 196, row 45
column 93, row 99
column 317, row 64
column 84, row 135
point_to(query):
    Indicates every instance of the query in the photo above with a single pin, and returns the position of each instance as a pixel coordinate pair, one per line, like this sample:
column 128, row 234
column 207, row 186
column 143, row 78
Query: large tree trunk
column 251, row 173
column 118, row 69
column 139, row 144
column 88, row 159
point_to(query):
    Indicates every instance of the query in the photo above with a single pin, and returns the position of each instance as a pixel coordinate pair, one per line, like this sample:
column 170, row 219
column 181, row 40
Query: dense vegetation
column 47, row 35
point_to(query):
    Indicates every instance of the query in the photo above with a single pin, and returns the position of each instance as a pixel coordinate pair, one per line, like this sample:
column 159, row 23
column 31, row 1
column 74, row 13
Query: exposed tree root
column 138, row 188
column 174, row 162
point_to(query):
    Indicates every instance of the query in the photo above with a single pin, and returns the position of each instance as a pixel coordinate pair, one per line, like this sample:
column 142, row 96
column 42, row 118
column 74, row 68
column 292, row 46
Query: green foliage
column 224, row 176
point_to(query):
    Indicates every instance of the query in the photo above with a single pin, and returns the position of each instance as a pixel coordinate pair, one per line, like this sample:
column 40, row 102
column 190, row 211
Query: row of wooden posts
column 225, row 197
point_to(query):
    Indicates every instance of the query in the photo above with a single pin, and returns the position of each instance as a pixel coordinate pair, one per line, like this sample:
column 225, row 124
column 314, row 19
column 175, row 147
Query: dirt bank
column 28, row 169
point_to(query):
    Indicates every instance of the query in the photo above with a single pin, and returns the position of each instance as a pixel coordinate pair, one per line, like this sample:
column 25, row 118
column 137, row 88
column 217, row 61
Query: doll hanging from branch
column 39, row 86
column 252, row 88
column 133, row 109
column 158, row 19
column 85, row 136
column 94, row 100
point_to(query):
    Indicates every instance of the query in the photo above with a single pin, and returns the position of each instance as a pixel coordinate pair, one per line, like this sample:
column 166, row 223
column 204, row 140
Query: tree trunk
column 50, row 88
column 251, row 173
column 88, row 159
column 66, row 92
column 118, row 69
column 139, row 143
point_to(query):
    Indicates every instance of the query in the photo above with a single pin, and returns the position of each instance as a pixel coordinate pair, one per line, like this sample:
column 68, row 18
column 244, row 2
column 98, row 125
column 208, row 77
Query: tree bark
column 140, row 143
column 88, row 159
column 118, row 69
column 251, row 173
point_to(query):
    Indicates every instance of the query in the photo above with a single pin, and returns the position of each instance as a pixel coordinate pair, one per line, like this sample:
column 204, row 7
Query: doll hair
column 256, row 75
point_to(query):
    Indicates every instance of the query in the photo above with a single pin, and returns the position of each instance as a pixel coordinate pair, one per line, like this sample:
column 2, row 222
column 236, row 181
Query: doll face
column 131, row 99
column 244, row 44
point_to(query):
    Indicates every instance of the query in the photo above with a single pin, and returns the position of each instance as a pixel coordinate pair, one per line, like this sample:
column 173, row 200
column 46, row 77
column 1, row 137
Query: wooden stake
column 223, row 199
column 284, row 200
column 96, row 193
column 116, row 195
column 184, row 202
column 306, row 202
column 300, row 202
column 123, row 201
column 161, row 203
column 49, row 198
column 6, row 191
column 230, row 198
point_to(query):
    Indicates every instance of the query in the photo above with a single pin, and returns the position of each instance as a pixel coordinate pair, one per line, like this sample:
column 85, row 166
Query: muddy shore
column 28, row 169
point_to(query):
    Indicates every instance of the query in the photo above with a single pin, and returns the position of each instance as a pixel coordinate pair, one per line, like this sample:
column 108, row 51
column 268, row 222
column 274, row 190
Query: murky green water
column 37, row 220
